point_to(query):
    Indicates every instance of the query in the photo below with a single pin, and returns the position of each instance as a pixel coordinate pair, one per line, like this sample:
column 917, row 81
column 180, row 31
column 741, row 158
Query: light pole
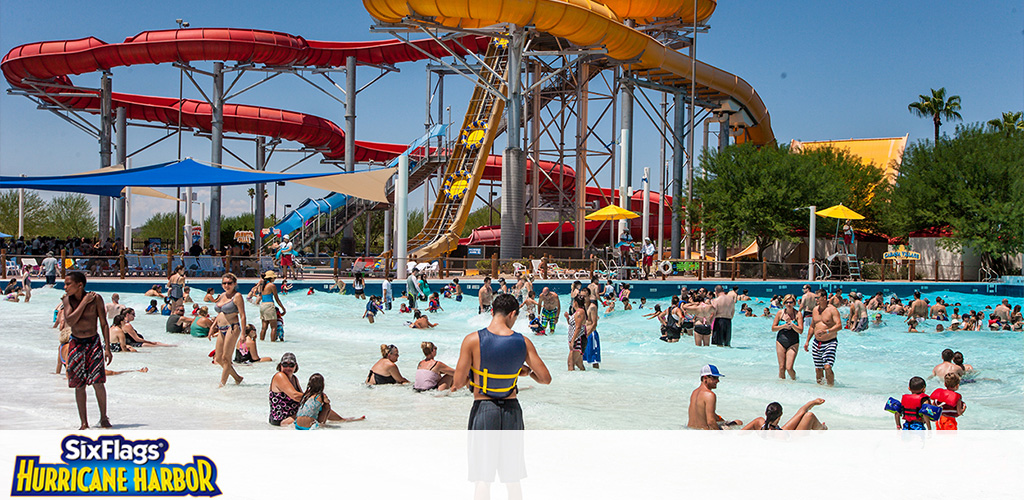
column 177, row 217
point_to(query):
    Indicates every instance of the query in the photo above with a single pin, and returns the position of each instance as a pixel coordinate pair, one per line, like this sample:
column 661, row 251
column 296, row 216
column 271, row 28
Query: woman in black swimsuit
column 385, row 371
column 804, row 420
column 789, row 324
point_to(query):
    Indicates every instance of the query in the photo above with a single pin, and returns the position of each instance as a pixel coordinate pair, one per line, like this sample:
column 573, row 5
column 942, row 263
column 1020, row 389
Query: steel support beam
column 103, row 222
column 260, row 209
column 350, row 125
column 678, row 158
column 626, row 149
column 216, row 153
column 513, row 172
column 121, row 128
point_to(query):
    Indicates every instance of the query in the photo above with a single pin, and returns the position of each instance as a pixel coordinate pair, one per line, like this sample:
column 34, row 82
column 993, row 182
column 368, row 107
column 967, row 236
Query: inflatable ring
column 665, row 267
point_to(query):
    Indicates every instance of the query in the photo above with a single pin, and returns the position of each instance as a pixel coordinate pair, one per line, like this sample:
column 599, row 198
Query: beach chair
column 410, row 266
column 31, row 266
column 434, row 269
column 149, row 266
column 211, row 265
column 357, row 266
column 192, row 266
column 558, row 272
column 175, row 262
column 519, row 270
column 132, row 265
column 13, row 269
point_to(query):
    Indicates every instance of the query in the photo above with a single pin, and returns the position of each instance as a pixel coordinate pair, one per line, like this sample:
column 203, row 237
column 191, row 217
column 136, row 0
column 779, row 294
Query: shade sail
column 612, row 212
column 145, row 191
column 189, row 173
column 839, row 211
column 5, row 235
column 750, row 251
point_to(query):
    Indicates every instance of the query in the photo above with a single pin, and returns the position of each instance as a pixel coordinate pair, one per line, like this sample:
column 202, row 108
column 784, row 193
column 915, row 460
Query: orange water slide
column 601, row 24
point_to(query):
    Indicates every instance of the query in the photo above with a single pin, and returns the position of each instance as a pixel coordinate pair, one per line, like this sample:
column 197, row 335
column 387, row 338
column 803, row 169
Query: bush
column 871, row 271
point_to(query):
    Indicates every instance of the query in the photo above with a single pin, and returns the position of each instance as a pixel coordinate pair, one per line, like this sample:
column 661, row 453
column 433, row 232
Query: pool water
column 643, row 383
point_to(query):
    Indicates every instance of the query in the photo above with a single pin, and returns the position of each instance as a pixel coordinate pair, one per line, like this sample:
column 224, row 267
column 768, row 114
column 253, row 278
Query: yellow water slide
column 466, row 164
column 601, row 24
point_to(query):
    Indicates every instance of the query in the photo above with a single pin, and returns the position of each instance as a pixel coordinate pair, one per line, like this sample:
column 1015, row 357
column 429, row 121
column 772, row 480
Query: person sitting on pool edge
column 385, row 371
column 803, row 420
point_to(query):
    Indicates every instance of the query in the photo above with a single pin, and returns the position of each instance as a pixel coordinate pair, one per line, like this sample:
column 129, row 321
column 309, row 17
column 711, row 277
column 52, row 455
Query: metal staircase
column 852, row 262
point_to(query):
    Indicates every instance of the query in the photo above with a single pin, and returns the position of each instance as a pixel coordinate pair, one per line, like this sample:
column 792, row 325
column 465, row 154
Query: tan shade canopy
column 750, row 251
column 369, row 185
column 145, row 191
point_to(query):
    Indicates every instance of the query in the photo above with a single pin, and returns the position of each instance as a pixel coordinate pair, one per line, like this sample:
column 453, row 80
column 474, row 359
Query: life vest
column 912, row 406
column 949, row 400
column 501, row 358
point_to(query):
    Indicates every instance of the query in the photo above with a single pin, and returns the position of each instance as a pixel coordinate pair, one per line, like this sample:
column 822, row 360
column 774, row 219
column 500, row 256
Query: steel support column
column 216, row 153
column 121, row 128
column 662, row 173
column 103, row 222
column 513, row 172
column 402, row 218
column 260, row 210
column 535, row 124
column 350, row 125
column 582, row 169
column 678, row 158
column 626, row 149
column 723, row 142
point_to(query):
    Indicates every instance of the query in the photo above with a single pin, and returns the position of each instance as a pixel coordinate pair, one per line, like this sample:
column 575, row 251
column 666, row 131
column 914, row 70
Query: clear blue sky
column 826, row 70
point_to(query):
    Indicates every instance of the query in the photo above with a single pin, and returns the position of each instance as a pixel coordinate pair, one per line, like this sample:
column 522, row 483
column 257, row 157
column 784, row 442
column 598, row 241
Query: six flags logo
column 113, row 465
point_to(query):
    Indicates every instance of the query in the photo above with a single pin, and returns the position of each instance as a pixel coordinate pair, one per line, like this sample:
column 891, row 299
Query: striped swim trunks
column 824, row 353
column 86, row 362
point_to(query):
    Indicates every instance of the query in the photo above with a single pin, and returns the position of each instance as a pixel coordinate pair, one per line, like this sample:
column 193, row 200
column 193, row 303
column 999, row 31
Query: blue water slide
column 309, row 209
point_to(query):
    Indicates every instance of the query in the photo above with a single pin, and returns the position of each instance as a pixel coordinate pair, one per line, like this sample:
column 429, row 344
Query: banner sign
column 901, row 253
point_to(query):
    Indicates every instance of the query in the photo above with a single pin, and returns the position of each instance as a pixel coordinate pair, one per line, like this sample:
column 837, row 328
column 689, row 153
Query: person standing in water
column 229, row 321
column 825, row 326
column 807, row 302
column 485, row 296
column 788, row 325
column 268, row 313
column 490, row 361
column 86, row 352
column 592, row 351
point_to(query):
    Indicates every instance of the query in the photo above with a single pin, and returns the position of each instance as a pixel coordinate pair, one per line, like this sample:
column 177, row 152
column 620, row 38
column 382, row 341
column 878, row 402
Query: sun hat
column 269, row 275
column 710, row 370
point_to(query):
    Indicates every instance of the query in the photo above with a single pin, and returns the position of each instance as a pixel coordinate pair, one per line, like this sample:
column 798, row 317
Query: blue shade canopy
column 184, row 173
column 5, row 235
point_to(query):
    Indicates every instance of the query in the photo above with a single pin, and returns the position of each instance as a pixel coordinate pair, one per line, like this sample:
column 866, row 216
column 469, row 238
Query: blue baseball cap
column 710, row 370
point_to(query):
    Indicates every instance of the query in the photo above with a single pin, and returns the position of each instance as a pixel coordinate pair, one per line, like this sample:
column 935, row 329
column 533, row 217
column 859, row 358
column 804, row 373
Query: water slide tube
column 589, row 23
column 52, row 62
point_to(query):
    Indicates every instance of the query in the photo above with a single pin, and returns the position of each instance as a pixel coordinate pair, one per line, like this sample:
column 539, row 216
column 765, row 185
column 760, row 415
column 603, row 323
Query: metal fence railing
column 546, row 267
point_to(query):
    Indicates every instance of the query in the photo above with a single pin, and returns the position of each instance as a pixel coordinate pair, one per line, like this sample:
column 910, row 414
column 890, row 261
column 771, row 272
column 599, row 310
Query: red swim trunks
column 286, row 260
column 85, row 362
column 946, row 424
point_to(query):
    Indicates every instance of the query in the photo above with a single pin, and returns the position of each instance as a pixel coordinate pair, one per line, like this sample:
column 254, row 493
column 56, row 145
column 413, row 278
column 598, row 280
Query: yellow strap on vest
column 484, row 375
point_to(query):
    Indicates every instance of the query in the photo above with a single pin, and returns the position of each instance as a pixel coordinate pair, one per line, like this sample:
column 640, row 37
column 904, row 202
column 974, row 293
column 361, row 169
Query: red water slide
column 53, row 62
column 48, row 66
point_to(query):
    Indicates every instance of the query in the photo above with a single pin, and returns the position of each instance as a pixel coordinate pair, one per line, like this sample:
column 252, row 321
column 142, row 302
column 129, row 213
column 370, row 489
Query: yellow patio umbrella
column 750, row 251
column 840, row 211
column 612, row 212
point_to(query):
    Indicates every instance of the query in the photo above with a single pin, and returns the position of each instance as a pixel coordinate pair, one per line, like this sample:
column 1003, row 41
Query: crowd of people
column 492, row 358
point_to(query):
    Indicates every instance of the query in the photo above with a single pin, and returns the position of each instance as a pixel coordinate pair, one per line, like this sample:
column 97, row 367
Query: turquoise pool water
column 642, row 384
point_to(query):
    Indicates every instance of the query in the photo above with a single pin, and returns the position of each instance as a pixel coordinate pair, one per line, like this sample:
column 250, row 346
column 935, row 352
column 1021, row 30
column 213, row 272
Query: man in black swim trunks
column 86, row 351
column 490, row 361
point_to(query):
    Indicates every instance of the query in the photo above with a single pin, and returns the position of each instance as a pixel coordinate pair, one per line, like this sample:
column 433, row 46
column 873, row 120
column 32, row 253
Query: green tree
column 483, row 216
column 937, row 107
column 756, row 193
column 35, row 213
column 973, row 185
column 1010, row 123
column 70, row 215
column 159, row 225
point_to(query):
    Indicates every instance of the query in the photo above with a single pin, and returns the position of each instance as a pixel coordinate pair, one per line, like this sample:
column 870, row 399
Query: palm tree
column 252, row 201
column 937, row 107
column 1009, row 123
